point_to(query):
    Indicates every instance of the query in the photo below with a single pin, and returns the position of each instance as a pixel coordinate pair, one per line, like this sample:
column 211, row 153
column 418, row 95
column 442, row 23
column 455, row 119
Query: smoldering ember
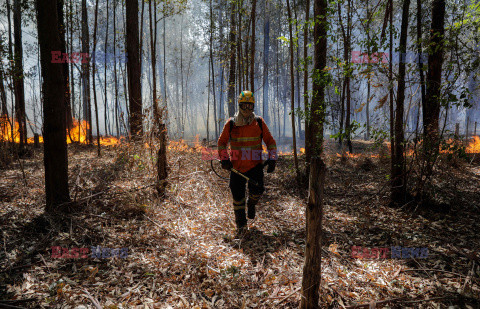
column 239, row 154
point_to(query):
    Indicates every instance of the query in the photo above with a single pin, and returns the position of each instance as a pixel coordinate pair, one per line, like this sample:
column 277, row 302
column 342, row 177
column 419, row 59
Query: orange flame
column 474, row 146
column 6, row 130
column 78, row 133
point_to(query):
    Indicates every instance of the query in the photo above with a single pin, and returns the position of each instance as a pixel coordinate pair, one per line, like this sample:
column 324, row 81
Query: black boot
column 251, row 209
column 252, row 201
column 241, row 221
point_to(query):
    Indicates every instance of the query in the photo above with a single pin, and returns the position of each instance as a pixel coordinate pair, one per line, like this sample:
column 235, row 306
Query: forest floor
column 181, row 250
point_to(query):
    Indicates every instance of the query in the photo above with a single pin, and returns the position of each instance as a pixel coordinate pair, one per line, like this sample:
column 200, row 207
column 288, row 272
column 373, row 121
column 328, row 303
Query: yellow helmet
column 246, row 97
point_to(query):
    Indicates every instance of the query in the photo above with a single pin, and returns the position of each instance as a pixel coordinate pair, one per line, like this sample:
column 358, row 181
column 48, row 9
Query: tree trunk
column 153, row 51
column 133, row 68
column 213, row 72
column 431, row 109
column 68, row 107
column 297, row 87
column 292, row 88
column 3, row 98
column 314, row 212
column 348, row 126
column 105, row 94
column 72, row 80
column 93, row 76
column 117, row 127
column 87, row 110
column 231, row 77
column 266, row 50
column 162, row 160
column 55, row 144
column 305, row 88
column 18, row 74
column 390, row 82
column 398, row 172
column 252, row 48
column 419, row 51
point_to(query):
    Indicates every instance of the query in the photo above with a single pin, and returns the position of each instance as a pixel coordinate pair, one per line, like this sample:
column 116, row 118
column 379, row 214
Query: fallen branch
column 373, row 304
column 92, row 299
column 157, row 224
column 289, row 295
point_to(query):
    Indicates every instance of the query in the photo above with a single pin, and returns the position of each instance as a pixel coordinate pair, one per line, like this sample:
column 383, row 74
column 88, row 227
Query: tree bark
column 55, row 144
column 419, row 51
column 252, row 48
column 153, row 61
column 87, row 110
column 68, row 107
column 398, row 172
column 93, row 77
column 292, row 88
column 266, row 50
column 390, row 82
column 133, row 68
column 18, row 84
column 213, row 72
column 431, row 109
column 115, row 66
column 314, row 212
column 231, row 77
column 305, row 87
column 105, row 94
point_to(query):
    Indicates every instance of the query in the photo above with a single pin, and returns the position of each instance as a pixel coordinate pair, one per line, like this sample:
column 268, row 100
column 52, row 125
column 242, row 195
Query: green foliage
column 354, row 126
column 458, row 100
column 379, row 136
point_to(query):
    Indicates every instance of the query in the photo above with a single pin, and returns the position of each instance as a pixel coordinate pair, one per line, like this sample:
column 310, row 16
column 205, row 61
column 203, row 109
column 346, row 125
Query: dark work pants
column 237, row 185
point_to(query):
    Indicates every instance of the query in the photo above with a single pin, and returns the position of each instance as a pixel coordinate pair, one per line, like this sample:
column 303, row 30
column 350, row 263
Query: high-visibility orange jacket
column 246, row 144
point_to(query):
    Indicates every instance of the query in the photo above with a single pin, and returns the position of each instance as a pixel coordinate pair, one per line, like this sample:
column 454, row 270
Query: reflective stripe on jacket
column 246, row 145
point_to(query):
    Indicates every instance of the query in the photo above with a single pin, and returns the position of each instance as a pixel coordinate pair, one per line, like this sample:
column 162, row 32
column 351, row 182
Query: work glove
column 271, row 165
column 227, row 164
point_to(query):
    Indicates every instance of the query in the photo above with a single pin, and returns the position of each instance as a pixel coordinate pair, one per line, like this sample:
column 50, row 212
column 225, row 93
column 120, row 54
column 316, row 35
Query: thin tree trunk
column 266, row 50
column 292, row 88
column 367, row 110
column 93, row 77
column 297, row 89
column 55, row 144
column 140, row 58
column 419, row 51
column 398, row 175
column 87, row 110
column 431, row 109
column 133, row 68
column 314, row 211
column 213, row 72
column 183, row 112
column 164, row 66
column 68, row 108
column 12, row 68
column 231, row 78
column 305, row 87
column 348, row 126
column 153, row 61
column 18, row 74
column 72, row 80
column 115, row 65
column 252, row 48
column 105, row 75
column 390, row 80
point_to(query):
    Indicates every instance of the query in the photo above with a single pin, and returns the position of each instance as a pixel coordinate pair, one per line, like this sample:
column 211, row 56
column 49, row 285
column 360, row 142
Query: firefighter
column 245, row 132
